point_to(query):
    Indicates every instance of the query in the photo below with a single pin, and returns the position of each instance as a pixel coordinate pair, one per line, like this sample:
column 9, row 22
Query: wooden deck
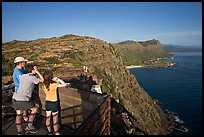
column 80, row 113
column 9, row 127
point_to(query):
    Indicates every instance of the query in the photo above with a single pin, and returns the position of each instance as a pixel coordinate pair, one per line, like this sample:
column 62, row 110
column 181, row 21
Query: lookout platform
column 80, row 112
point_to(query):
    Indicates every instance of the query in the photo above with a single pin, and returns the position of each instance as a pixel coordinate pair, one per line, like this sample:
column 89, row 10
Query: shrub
column 52, row 60
column 33, row 57
column 77, row 64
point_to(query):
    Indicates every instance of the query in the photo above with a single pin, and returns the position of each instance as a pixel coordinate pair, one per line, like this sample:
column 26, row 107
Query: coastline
column 160, row 64
column 179, row 127
column 135, row 66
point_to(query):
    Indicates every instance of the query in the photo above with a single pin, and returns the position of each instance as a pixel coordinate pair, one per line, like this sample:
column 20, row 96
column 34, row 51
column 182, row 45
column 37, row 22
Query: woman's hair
column 48, row 76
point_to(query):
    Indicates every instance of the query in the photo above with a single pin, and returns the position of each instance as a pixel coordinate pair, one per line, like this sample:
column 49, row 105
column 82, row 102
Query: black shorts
column 52, row 106
column 22, row 105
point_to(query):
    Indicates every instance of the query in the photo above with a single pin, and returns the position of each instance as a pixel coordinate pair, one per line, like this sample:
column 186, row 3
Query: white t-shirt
column 26, row 86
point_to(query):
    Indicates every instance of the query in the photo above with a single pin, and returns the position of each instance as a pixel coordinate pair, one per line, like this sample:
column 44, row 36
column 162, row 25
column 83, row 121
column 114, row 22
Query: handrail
column 92, row 114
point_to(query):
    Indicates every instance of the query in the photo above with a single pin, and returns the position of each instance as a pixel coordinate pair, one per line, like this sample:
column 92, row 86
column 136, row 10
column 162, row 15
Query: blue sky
column 171, row 23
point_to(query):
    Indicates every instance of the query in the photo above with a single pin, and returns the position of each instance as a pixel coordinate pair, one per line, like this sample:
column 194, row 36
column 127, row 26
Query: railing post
column 109, row 116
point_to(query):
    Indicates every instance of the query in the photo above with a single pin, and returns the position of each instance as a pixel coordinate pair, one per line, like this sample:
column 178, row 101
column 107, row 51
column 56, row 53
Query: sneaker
column 59, row 133
column 32, row 130
column 50, row 133
column 25, row 119
column 21, row 132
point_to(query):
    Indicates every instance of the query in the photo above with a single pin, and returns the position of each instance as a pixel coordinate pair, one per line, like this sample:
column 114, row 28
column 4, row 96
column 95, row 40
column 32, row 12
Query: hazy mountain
column 181, row 48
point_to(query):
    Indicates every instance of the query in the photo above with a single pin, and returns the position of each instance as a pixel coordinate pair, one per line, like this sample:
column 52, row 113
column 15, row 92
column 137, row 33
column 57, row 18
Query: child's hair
column 48, row 76
column 29, row 68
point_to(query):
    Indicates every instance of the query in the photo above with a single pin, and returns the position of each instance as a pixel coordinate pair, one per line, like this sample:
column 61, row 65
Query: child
column 21, row 99
column 50, row 86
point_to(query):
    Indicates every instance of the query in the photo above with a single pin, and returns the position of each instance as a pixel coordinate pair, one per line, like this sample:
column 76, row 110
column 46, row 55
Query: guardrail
column 98, row 123
column 81, row 111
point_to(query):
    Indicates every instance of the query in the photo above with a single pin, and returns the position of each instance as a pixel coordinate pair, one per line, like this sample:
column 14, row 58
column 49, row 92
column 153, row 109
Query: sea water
column 178, row 89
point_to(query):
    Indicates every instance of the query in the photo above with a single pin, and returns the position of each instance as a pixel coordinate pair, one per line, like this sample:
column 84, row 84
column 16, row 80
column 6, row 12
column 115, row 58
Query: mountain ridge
column 69, row 53
column 138, row 53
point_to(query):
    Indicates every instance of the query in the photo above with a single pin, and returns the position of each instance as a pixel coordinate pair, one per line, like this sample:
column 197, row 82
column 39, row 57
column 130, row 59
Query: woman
column 50, row 86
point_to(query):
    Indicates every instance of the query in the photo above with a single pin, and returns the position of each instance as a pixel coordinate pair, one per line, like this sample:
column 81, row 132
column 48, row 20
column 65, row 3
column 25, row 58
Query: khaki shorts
column 22, row 105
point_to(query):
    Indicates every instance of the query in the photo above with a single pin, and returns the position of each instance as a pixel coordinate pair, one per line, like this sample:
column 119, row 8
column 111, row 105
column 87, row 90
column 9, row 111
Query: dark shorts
column 52, row 106
column 22, row 105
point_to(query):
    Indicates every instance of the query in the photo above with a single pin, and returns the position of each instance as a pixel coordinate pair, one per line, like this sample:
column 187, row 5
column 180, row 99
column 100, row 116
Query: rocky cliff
column 137, row 53
column 133, row 110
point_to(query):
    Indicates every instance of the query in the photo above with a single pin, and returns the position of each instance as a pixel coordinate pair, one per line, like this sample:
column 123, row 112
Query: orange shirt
column 51, row 95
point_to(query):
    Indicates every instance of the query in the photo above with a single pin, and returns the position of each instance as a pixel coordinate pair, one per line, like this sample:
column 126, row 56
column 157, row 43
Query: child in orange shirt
column 50, row 86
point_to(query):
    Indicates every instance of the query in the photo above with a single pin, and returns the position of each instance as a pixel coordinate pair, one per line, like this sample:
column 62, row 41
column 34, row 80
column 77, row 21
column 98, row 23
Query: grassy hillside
column 137, row 53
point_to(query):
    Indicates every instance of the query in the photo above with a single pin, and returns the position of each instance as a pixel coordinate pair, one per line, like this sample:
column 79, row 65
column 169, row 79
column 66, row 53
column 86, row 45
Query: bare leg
column 55, row 123
column 48, row 117
column 32, row 114
column 25, row 115
column 18, row 120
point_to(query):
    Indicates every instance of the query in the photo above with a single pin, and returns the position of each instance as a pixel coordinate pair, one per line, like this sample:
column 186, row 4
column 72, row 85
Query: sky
column 177, row 23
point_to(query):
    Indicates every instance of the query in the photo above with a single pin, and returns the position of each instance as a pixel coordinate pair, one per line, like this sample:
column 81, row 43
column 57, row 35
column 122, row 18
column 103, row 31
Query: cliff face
column 136, row 53
column 105, row 66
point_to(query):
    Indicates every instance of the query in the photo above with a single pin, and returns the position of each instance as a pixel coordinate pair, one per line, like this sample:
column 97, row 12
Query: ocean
column 178, row 89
